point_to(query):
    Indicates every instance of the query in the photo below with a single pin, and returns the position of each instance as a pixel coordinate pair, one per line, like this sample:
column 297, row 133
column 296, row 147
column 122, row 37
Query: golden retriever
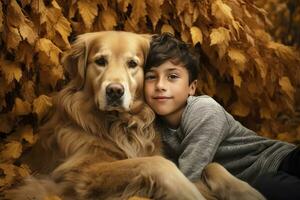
column 100, row 141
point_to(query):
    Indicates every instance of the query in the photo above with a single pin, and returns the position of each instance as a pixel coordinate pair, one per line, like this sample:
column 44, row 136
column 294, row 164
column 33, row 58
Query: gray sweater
column 208, row 133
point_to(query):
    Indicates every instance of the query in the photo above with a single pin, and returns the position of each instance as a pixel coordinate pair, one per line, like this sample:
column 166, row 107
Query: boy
column 197, row 130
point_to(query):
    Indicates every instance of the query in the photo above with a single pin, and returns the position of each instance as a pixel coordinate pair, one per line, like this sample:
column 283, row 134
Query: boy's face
column 167, row 89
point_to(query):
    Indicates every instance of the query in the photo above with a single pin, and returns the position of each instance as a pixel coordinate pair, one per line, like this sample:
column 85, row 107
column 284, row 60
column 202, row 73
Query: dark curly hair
column 166, row 47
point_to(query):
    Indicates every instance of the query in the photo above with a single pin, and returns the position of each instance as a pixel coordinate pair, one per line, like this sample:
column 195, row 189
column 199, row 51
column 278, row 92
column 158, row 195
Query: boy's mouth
column 161, row 98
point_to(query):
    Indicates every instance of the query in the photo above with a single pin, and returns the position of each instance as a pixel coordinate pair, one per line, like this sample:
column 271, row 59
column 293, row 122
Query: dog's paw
column 227, row 187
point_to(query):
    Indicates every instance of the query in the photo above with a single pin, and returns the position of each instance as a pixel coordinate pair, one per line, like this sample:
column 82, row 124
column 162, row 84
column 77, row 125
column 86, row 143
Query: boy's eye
column 149, row 77
column 173, row 76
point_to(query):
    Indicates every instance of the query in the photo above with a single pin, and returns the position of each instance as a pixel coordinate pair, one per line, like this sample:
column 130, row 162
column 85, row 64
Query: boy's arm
column 204, row 127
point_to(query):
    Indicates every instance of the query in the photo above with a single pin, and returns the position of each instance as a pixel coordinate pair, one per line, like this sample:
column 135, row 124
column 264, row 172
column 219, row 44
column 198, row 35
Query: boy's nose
column 160, row 85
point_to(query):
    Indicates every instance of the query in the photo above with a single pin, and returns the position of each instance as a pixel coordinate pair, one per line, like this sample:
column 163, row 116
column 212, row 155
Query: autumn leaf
column 21, row 107
column 41, row 106
column 196, row 34
column 221, row 11
column 11, row 70
column 287, row 87
column 9, row 174
column 166, row 28
column 154, row 10
column 48, row 52
column 138, row 11
column 27, row 91
column 26, row 133
column 12, row 150
column 238, row 57
column 240, row 109
column 108, row 19
column 220, row 37
column 88, row 10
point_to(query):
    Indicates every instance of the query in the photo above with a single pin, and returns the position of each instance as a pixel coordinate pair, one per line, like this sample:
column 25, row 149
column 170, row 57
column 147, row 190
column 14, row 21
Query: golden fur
column 100, row 141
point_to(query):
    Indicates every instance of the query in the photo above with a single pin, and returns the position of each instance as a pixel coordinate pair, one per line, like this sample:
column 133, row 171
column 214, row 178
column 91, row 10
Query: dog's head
column 109, row 64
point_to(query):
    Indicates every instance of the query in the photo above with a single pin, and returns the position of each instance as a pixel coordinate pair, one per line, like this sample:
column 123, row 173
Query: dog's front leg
column 152, row 177
column 224, row 186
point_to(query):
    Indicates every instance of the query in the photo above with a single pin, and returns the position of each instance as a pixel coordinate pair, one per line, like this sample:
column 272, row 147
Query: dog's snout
column 114, row 91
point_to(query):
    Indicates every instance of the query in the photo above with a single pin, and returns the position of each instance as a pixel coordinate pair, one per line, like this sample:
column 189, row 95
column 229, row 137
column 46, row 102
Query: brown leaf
column 88, row 10
column 26, row 133
column 21, row 107
column 240, row 109
column 9, row 174
column 287, row 87
column 108, row 19
column 154, row 10
column 7, row 123
column 138, row 11
column 41, row 106
column 12, row 150
column 238, row 57
column 48, row 52
column 27, row 91
column 11, row 70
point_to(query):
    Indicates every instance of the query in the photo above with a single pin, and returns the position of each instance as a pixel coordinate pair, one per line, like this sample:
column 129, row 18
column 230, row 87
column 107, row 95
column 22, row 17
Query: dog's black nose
column 115, row 91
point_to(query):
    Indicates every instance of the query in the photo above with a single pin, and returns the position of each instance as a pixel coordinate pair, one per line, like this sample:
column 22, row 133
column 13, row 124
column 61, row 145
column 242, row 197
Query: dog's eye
column 132, row 64
column 101, row 61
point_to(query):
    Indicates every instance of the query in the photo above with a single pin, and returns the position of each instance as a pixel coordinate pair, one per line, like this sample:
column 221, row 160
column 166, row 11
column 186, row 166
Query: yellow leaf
column 237, row 57
column 196, row 34
column 166, row 28
column 88, row 10
column 21, row 107
column 12, row 150
column 154, row 10
column 181, row 6
column 63, row 27
column 108, row 19
column 26, row 133
column 287, row 87
column 27, row 91
column 24, row 170
column 41, row 106
column 9, row 174
column 11, row 70
column 50, row 75
column 185, row 36
column 48, row 52
column 282, row 51
column 220, row 37
column 138, row 11
column 261, row 67
column 240, row 109
column 123, row 4
column 13, row 38
column 236, row 76
column 221, row 11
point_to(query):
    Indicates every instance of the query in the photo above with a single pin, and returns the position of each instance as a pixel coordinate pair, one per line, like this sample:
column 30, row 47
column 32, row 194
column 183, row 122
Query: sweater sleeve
column 203, row 127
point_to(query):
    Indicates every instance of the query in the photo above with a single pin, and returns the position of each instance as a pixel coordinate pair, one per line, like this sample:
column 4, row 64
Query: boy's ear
column 193, row 87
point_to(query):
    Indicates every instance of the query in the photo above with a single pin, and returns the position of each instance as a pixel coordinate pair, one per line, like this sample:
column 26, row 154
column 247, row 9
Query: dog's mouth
column 115, row 105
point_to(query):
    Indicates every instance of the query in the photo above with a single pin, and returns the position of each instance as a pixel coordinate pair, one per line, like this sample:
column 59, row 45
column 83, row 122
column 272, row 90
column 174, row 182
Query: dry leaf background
column 248, row 68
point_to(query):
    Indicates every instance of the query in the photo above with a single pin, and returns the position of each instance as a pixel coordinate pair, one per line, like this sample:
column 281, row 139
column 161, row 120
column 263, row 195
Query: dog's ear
column 146, row 44
column 74, row 60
